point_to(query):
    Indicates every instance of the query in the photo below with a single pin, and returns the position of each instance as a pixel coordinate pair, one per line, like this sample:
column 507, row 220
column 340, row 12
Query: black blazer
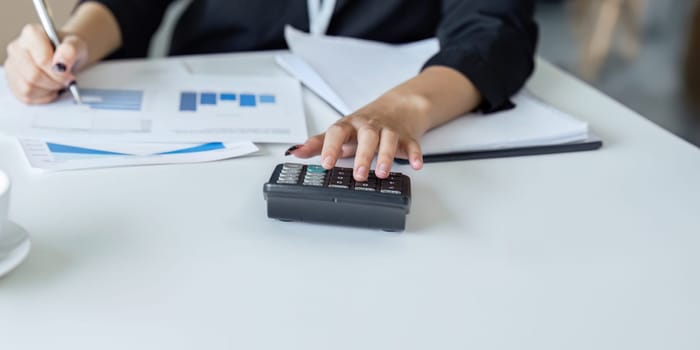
column 492, row 42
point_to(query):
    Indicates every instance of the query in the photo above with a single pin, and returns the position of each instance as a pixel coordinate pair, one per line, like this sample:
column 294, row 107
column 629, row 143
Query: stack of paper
column 145, row 112
column 350, row 73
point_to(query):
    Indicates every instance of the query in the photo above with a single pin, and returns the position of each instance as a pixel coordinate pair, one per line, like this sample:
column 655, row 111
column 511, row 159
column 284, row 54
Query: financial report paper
column 61, row 155
column 160, row 102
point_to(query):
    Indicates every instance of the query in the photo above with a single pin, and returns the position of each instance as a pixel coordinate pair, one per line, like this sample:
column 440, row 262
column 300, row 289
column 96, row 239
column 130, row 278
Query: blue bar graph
column 188, row 102
column 126, row 100
column 268, row 99
column 208, row 98
column 248, row 100
column 228, row 97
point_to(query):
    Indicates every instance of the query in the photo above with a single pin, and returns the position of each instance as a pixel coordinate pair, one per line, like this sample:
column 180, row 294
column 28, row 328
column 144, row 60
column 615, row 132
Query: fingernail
column 382, row 170
column 59, row 68
column 61, row 91
column 417, row 162
column 72, row 83
column 328, row 162
column 292, row 149
column 361, row 172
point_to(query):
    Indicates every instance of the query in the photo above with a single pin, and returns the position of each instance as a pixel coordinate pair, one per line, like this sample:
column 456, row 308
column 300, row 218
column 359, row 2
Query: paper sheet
column 358, row 71
column 159, row 102
column 63, row 155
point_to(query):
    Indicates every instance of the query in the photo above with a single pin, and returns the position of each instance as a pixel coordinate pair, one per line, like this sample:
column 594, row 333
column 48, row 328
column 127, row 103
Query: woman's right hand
column 35, row 73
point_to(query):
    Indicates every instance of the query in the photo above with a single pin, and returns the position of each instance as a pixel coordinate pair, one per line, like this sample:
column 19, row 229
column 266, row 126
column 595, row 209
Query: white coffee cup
column 4, row 200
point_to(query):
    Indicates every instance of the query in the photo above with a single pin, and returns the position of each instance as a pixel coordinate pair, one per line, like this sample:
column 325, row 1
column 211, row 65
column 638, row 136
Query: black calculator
column 310, row 193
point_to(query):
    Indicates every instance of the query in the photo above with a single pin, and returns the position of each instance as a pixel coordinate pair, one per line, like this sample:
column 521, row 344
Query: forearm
column 434, row 97
column 95, row 24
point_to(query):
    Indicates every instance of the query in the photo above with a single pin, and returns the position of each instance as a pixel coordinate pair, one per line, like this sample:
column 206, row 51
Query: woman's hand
column 392, row 125
column 35, row 72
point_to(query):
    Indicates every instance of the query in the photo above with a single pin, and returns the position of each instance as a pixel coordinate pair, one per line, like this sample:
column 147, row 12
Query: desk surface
column 593, row 250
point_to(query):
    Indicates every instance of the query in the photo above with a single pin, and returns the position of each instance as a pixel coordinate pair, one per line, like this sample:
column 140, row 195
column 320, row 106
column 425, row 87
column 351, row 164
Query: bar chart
column 192, row 101
column 112, row 99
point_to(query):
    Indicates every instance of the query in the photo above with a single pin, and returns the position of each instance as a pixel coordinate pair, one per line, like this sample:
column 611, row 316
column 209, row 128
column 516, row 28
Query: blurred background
column 643, row 53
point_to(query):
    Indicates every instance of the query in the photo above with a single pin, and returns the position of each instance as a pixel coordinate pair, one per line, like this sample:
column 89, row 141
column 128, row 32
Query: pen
column 42, row 9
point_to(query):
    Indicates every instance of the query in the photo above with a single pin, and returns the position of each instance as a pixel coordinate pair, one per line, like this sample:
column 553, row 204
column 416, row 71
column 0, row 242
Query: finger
column 415, row 155
column 22, row 63
column 70, row 55
column 311, row 148
column 336, row 136
column 367, row 142
column 37, row 46
column 349, row 149
column 23, row 89
column 28, row 94
column 387, row 151
column 34, row 40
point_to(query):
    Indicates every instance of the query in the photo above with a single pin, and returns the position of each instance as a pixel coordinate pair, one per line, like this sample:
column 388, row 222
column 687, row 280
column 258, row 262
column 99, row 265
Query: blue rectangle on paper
column 268, row 99
column 248, row 100
column 188, row 102
column 126, row 100
column 116, row 107
column 208, row 98
column 228, row 97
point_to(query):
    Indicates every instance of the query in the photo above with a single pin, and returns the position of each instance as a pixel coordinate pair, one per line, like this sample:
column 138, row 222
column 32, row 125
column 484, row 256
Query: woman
column 486, row 56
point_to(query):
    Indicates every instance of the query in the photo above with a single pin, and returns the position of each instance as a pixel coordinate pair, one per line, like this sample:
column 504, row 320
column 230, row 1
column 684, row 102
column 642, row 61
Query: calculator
column 310, row 193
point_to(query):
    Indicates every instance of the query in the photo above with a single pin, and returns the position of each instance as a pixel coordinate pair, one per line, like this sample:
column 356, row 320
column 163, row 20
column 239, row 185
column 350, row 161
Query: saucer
column 14, row 247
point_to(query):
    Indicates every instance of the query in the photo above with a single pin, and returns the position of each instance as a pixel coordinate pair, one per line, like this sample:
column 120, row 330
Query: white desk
column 594, row 250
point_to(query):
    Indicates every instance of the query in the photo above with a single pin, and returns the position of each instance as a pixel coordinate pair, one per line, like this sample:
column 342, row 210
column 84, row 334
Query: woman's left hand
column 392, row 125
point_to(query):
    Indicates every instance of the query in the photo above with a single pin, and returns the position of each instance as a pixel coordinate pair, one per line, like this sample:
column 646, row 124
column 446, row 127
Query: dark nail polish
column 60, row 92
column 72, row 83
column 292, row 149
column 59, row 68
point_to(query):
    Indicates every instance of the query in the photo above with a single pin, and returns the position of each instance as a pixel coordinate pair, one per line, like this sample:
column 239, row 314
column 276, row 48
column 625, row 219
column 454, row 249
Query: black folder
column 591, row 144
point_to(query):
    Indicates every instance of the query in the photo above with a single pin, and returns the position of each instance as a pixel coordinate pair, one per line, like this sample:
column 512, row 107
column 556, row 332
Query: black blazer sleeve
column 491, row 42
column 138, row 20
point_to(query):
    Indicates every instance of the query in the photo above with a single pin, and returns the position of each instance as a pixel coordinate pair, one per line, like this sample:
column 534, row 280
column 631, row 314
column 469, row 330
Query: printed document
column 63, row 155
column 350, row 73
column 159, row 102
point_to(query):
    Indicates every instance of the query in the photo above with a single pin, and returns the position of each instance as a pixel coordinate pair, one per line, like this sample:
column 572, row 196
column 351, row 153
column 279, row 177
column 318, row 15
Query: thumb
column 69, row 56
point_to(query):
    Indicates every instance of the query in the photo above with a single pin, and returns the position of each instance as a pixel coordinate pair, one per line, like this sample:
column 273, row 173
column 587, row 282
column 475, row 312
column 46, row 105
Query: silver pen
column 42, row 9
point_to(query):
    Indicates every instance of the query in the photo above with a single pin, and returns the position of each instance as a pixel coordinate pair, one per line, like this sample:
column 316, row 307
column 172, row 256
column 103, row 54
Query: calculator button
column 339, row 186
column 314, row 179
column 342, row 184
column 287, row 182
column 341, row 173
column 390, row 192
column 315, row 169
column 292, row 166
column 344, row 179
column 365, row 189
column 390, row 188
column 288, row 178
column 365, row 186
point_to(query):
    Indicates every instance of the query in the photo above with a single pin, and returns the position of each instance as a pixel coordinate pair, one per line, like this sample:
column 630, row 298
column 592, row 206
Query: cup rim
column 4, row 182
